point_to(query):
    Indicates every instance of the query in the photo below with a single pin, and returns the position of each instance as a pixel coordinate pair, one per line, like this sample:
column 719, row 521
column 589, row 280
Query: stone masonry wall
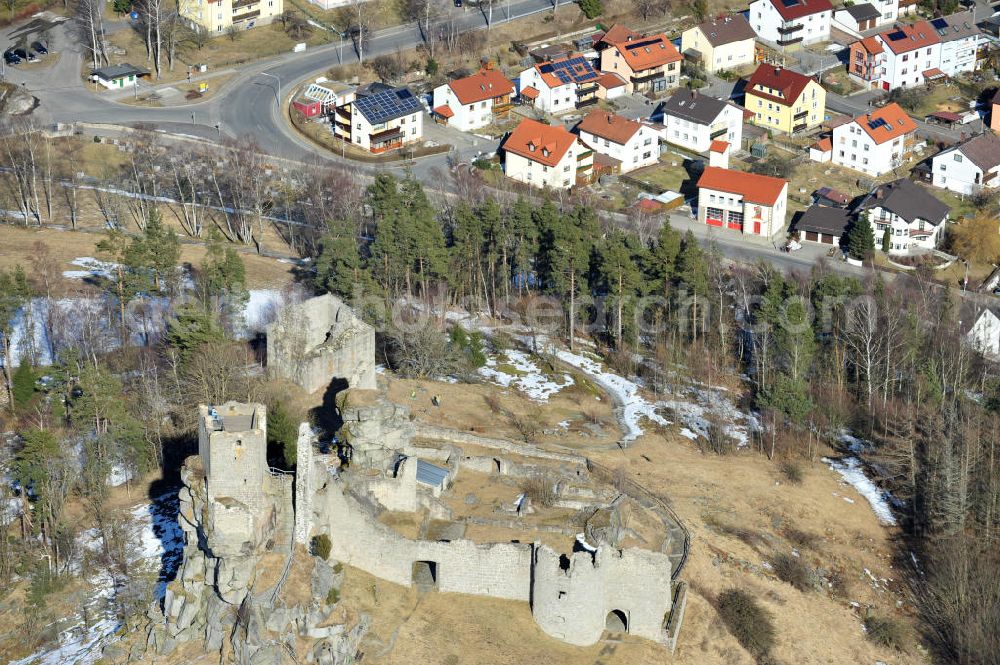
column 501, row 570
column 320, row 339
column 235, row 462
column 572, row 605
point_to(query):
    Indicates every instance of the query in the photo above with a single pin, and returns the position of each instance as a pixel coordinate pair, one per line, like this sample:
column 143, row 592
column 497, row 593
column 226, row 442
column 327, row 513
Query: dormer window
column 531, row 146
column 545, row 152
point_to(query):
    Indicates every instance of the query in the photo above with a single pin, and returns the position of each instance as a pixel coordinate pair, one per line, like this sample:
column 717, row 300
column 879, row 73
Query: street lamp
column 277, row 90
column 192, row 117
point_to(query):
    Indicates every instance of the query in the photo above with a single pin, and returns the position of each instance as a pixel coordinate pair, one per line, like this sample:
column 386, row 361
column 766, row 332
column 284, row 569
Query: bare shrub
column 493, row 402
column 792, row 570
column 751, row 624
column 885, row 632
column 527, row 424
column 539, row 490
column 718, row 440
column 791, row 471
column 800, row 538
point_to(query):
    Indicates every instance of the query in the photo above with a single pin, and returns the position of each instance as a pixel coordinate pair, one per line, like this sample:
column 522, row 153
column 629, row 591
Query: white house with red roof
column 560, row 85
column 543, row 155
column 471, row 102
column 911, row 55
column 746, row 202
column 629, row 144
column 875, row 143
column 790, row 22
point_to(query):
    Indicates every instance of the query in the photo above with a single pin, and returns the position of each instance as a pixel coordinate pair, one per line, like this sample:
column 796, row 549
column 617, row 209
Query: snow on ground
column 632, row 406
column 159, row 546
column 851, row 471
column 91, row 268
column 704, row 403
column 529, row 378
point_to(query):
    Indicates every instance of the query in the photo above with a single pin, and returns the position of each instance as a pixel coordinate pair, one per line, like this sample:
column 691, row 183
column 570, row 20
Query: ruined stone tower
column 232, row 444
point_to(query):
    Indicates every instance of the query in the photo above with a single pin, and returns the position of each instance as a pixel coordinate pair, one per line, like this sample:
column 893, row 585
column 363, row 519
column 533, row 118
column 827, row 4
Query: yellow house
column 216, row 16
column 720, row 43
column 783, row 100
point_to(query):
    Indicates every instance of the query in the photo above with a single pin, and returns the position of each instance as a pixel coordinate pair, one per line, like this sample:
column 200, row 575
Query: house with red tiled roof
column 746, row 202
column 866, row 61
column 560, row 85
column 472, row 102
column 791, row 22
column 647, row 63
column 629, row 144
column 875, row 143
column 912, row 55
column 543, row 155
column 783, row 100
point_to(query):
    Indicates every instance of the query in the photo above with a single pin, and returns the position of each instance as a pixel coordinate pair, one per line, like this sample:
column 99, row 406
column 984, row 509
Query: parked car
column 39, row 48
column 25, row 54
column 458, row 3
column 11, row 58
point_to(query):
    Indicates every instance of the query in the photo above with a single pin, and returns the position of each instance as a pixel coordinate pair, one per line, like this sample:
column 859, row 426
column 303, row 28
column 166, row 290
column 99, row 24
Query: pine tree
column 467, row 251
column 861, row 238
column 566, row 243
column 591, row 8
column 338, row 266
column 887, row 239
column 222, row 280
column 425, row 236
column 191, row 329
column 524, row 237
column 663, row 256
column 692, row 272
column 283, row 433
column 14, row 294
column 620, row 275
column 24, row 383
column 159, row 250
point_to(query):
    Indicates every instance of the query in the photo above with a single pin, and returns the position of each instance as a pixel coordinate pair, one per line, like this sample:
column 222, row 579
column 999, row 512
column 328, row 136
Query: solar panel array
column 572, row 70
column 388, row 105
column 878, row 122
column 790, row 3
column 896, row 36
column 939, row 23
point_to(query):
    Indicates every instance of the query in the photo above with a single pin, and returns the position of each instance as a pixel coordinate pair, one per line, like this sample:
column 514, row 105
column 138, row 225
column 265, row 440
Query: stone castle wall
column 315, row 341
column 235, row 460
column 572, row 603
column 500, row 570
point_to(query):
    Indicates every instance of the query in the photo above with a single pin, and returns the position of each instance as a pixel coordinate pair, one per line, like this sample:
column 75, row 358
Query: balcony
column 789, row 29
column 246, row 17
column 800, row 116
column 799, row 128
column 387, row 136
column 590, row 101
column 239, row 4
column 646, row 78
column 789, row 42
column 719, row 132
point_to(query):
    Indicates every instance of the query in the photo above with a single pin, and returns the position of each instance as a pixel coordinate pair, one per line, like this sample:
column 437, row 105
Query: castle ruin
column 312, row 342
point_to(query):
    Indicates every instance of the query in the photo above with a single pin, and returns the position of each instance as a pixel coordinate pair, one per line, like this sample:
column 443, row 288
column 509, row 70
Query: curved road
column 246, row 105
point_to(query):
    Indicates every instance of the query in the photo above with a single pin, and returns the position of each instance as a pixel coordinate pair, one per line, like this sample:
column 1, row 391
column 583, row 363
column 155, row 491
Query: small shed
column 858, row 18
column 821, row 224
column 117, row 77
column 943, row 118
column 822, row 150
column 432, row 475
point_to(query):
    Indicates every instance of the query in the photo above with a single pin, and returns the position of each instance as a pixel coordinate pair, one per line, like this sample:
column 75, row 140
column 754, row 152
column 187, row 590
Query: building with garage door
column 822, row 224
column 745, row 202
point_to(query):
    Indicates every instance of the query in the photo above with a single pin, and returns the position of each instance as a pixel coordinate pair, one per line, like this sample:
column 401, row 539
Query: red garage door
column 811, row 235
column 827, row 239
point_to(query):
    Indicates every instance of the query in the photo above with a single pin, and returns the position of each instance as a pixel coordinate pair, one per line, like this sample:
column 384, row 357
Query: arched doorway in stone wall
column 616, row 622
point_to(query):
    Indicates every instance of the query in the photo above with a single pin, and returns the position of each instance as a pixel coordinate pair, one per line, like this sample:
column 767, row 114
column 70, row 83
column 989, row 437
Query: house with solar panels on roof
column 960, row 41
column 559, row 85
column 903, row 56
column 380, row 118
column 472, row 102
column 792, row 22
column 647, row 63
column 875, row 143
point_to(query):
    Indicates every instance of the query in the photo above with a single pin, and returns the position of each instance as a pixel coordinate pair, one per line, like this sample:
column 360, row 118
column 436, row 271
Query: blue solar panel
column 939, row 23
column 572, row 70
column 896, row 36
column 387, row 105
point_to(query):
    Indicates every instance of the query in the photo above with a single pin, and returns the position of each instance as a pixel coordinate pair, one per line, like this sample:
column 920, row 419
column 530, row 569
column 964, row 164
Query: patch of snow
column 850, row 470
column 706, row 402
column 92, row 268
column 564, row 424
column 529, row 379
column 685, row 432
column 632, row 406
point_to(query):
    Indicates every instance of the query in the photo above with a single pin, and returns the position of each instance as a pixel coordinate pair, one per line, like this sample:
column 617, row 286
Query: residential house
column 823, row 224
column 889, row 10
column 559, row 85
column 116, row 77
column 960, row 41
column 472, row 102
column 720, row 43
column 783, row 100
column 648, row 63
column 875, row 143
column 744, row 202
column 912, row 56
column 790, row 22
column 546, row 156
column 995, row 112
column 915, row 218
column 984, row 334
column 866, row 61
column 217, row 16
column 830, row 197
column 969, row 166
column 858, row 18
column 694, row 120
column 629, row 144
column 380, row 118
column 822, row 150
